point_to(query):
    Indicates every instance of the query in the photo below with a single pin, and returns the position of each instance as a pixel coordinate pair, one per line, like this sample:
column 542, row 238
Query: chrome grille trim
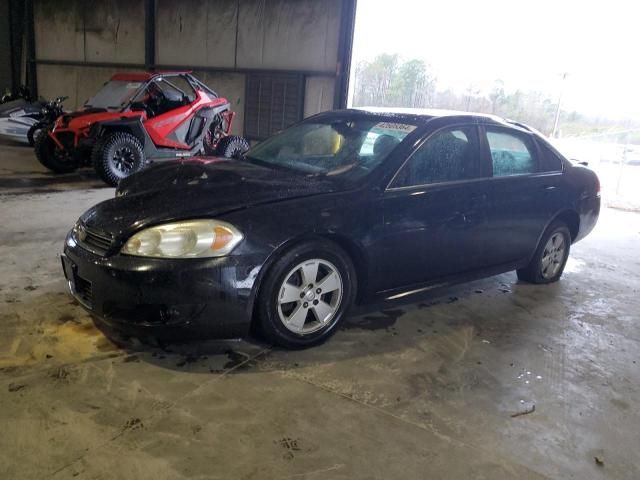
column 93, row 239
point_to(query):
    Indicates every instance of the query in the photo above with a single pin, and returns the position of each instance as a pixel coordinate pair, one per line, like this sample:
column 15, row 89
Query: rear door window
column 449, row 155
column 511, row 153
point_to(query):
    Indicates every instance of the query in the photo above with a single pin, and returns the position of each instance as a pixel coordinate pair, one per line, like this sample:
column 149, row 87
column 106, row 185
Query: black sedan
column 345, row 207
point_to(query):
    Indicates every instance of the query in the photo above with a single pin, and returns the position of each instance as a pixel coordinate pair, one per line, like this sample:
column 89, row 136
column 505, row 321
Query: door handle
column 550, row 188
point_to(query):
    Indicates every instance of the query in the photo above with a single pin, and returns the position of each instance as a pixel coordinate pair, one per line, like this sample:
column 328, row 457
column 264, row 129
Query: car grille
column 95, row 240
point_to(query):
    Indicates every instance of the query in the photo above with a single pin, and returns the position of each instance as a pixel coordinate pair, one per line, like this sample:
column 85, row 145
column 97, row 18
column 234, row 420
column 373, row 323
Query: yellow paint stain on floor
column 61, row 342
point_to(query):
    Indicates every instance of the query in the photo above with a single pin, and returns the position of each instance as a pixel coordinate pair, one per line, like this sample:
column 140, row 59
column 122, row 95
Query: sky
column 528, row 45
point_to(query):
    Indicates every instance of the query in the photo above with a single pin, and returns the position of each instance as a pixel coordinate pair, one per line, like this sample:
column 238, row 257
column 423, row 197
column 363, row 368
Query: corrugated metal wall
column 80, row 44
column 5, row 47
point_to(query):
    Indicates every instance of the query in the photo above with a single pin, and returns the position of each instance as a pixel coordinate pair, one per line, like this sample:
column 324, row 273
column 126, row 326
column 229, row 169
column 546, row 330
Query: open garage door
column 546, row 69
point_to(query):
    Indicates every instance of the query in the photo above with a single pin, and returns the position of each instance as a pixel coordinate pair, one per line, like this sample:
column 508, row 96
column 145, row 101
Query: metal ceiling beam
column 345, row 48
column 149, row 33
column 202, row 68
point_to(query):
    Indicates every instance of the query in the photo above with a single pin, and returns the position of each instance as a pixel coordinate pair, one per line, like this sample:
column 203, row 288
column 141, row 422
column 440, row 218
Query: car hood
column 85, row 118
column 197, row 188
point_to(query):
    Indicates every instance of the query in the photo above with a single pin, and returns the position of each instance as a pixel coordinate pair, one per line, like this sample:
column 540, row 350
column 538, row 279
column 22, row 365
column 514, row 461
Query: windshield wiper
column 273, row 166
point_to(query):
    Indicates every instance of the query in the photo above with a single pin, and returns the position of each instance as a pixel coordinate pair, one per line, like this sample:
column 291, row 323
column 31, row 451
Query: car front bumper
column 164, row 298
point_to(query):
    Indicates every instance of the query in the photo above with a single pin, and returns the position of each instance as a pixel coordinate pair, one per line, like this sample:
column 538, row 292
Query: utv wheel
column 550, row 257
column 116, row 156
column 52, row 157
column 232, row 147
column 305, row 295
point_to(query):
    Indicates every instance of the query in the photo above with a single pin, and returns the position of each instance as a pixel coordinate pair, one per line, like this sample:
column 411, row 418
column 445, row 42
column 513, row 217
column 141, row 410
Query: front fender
column 132, row 125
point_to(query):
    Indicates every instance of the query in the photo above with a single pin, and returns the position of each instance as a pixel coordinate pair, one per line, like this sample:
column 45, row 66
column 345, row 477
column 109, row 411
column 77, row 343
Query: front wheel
column 232, row 147
column 33, row 133
column 306, row 294
column 116, row 156
column 550, row 257
column 51, row 156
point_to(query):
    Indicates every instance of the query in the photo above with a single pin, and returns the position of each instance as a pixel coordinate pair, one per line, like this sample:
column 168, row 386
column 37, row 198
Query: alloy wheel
column 553, row 255
column 310, row 296
column 124, row 159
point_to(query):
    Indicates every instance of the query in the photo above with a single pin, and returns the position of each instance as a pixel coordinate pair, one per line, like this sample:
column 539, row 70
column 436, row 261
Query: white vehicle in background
column 21, row 120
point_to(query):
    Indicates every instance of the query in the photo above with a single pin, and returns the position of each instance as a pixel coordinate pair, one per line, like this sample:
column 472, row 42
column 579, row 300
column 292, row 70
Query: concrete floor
column 425, row 390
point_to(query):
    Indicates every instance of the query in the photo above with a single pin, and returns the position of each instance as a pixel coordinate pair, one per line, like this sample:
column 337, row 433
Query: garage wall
column 5, row 52
column 77, row 83
column 251, row 34
column 196, row 32
column 76, row 31
column 80, row 44
column 289, row 34
column 105, row 31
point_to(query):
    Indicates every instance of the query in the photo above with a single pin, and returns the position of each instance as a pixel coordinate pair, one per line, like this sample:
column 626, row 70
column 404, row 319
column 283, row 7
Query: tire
column 309, row 320
column 232, row 147
column 49, row 155
column 33, row 133
column 550, row 257
column 116, row 156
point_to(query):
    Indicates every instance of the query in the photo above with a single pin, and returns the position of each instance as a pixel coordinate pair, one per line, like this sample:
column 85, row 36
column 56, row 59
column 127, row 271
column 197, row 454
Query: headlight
column 189, row 239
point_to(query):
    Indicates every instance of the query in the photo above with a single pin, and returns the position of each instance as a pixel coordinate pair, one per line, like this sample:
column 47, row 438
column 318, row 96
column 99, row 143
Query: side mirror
column 580, row 162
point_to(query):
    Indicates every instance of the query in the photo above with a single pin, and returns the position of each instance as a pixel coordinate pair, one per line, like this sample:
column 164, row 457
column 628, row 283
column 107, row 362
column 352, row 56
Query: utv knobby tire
column 232, row 147
column 49, row 155
column 105, row 151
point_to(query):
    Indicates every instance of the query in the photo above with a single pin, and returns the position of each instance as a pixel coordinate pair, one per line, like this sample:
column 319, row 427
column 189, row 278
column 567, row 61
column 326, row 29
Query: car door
column 434, row 211
column 169, row 128
column 523, row 196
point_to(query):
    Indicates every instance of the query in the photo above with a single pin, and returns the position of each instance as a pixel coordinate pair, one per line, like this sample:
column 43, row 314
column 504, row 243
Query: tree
column 412, row 86
column 373, row 80
column 497, row 96
column 387, row 81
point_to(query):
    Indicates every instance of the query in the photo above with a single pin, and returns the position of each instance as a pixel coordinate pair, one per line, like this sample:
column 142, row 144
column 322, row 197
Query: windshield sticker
column 396, row 127
column 133, row 85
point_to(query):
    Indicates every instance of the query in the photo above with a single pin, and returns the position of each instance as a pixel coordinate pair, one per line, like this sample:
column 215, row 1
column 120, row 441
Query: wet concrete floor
column 493, row 379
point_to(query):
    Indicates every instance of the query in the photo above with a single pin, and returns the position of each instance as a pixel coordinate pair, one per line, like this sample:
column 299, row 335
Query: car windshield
column 332, row 147
column 114, row 95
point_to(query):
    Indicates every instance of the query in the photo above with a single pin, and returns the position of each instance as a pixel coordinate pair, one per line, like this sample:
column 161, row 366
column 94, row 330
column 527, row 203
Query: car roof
column 426, row 114
column 144, row 76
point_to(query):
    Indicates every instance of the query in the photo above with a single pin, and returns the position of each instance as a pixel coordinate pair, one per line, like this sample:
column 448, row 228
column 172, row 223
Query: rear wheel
column 116, row 156
column 305, row 295
column 550, row 257
column 232, row 147
column 51, row 156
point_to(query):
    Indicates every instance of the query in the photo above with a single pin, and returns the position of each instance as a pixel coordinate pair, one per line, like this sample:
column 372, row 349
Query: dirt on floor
column 493, row 379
